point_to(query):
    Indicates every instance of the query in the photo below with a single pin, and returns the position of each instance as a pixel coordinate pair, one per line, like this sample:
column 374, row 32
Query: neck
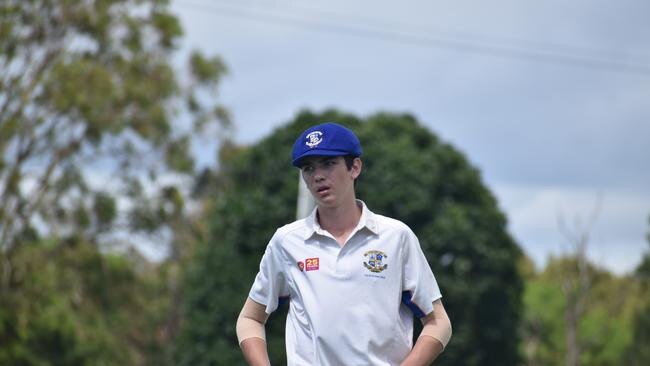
column 340, row 219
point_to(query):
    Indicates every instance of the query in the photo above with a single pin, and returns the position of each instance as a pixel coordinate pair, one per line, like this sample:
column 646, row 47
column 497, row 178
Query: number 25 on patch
column 311, row 264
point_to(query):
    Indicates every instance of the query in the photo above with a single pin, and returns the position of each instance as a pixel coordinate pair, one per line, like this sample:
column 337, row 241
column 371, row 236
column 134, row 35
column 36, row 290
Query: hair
column 349, row 160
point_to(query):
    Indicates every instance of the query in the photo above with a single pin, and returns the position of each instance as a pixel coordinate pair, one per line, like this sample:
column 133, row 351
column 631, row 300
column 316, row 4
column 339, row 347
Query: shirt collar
column 367, row 220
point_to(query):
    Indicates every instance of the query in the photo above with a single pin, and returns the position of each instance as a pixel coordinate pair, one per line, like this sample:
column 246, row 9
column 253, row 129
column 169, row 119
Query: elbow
column 438, row 325
column 249, row 328
column 448, row 331
column 251, row 320
column 441, row 330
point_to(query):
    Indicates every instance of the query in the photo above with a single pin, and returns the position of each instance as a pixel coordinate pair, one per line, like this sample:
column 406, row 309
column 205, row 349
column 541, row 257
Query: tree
column 638, row 352
column 572, row 303
column 543, row 327
column 408, row 174
column 87, row 87
column 93, row 116
column 576, row 282
column 605, row 328
column 72, row 305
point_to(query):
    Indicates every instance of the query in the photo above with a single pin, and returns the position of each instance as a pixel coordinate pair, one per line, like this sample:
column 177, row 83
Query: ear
column 356, row 168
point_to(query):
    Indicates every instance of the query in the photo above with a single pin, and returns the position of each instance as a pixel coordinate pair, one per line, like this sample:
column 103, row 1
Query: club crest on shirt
column 375, row 261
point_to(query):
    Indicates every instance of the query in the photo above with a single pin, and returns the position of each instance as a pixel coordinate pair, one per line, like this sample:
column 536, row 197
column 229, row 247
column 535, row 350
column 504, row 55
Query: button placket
column 343, row 258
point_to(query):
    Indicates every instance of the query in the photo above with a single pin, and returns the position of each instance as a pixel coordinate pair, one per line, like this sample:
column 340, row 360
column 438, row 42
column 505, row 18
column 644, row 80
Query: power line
column 430, row 30
column 504, row 47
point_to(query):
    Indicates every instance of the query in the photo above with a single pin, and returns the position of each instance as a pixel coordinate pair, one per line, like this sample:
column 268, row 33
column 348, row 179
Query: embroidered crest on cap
column 375, row 261
column 314, row 138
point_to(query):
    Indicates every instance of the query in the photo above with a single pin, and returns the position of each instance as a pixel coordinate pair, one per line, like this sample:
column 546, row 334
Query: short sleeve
column 419, row 286
column 270, row 286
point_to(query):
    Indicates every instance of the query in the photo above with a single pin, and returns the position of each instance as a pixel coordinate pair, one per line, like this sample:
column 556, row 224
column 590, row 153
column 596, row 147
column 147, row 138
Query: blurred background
column 145, row 165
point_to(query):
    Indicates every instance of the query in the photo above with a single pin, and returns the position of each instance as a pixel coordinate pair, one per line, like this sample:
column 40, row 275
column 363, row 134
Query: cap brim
column 318, row 152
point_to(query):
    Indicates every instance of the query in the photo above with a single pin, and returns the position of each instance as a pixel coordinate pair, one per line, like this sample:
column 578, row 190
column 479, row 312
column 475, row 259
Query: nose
column 319, row 175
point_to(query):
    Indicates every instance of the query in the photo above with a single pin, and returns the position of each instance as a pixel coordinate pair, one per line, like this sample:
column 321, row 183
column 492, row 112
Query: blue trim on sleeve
column 283, row 300
column 406, row 300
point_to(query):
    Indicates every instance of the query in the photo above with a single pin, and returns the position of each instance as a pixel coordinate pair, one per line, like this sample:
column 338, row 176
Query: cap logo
column 314, row 138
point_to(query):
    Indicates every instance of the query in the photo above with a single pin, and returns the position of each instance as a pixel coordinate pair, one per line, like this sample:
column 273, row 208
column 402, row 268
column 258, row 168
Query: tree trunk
column 571, row 318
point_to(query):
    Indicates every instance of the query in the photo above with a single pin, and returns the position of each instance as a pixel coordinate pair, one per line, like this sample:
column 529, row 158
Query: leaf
column 206, row 70
column 168, row 26
column 104, row 209
column 81, row 217
column 178, row 155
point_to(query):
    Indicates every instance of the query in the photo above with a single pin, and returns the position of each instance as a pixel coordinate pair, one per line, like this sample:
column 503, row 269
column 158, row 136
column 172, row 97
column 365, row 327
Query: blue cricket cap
column 326, row 139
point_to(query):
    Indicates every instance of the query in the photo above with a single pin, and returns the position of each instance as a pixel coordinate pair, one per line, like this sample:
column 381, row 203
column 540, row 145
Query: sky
column 550, row 100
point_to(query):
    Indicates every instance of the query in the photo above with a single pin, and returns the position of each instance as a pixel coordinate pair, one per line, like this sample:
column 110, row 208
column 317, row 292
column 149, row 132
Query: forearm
column 255, row 353
column 425, row 351
column 433, row 339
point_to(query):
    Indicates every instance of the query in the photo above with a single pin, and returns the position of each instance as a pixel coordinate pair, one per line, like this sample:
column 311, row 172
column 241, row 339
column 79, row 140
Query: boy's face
column 329, row 180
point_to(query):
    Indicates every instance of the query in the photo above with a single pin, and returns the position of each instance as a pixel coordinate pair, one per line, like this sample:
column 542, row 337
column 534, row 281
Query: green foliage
column 85, row 83
column 206, row 69
column 638, row 352
column 605, row 331
column 88, row 104
column 408, row 174
column 104, row 208
column 68, row 304
column 543, row 323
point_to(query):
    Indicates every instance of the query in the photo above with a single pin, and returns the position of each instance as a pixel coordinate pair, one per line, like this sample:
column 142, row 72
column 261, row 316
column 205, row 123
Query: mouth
column 323, row 190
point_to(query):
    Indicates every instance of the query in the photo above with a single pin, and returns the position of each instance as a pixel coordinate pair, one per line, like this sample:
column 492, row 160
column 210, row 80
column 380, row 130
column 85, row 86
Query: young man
column 354, row 279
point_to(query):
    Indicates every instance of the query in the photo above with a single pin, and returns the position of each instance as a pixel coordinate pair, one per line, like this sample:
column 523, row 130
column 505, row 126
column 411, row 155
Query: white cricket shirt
column 350, row 305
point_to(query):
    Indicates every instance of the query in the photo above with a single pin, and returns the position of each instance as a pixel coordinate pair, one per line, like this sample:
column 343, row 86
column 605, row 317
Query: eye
column 307, row 168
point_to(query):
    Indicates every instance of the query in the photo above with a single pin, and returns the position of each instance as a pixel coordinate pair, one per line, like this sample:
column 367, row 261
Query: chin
column 326, row 202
